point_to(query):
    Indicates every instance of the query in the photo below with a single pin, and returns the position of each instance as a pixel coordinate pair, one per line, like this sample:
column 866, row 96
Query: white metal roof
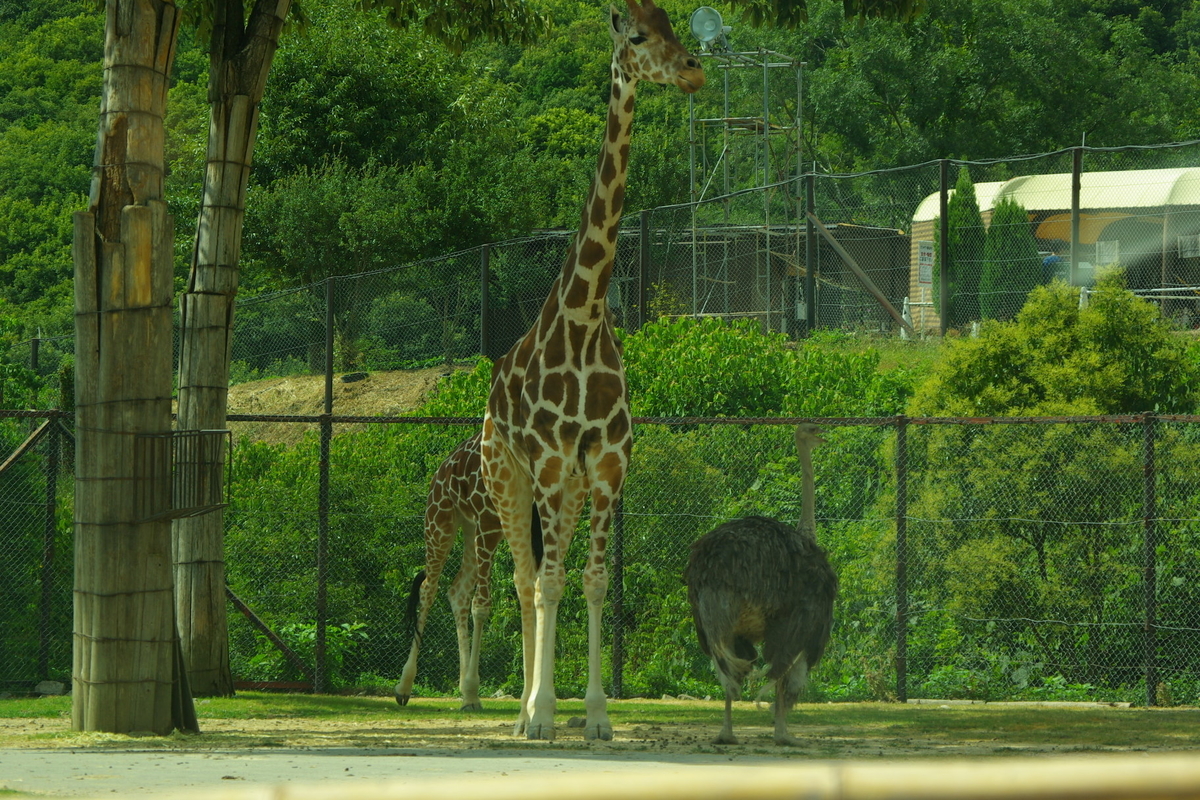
column 1135, row 188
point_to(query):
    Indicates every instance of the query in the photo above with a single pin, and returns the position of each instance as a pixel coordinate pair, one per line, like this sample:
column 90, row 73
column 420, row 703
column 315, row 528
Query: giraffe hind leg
column 461, row 593
column 421, row 595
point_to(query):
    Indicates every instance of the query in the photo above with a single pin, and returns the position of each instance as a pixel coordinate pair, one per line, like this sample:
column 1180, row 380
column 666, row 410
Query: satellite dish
column 706, row 26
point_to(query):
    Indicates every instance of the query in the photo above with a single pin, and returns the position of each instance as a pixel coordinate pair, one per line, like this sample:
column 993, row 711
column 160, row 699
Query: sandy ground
column 376, row 394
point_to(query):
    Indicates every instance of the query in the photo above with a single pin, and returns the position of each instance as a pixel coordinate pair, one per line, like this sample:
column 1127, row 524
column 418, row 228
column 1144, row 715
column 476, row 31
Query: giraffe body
column 458, row 500
column 557, row 428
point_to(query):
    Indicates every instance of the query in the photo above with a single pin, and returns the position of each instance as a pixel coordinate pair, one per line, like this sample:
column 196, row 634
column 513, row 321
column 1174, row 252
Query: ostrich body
column 756, row 580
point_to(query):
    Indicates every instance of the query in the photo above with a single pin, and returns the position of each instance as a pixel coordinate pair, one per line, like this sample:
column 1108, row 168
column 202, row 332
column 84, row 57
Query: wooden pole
column 485, row 311
column 902, row 558
column 644, row 267
column 862, row 276
column 240, row 56
column 49, row 534
column 944, row 245
column 1150, row 558
column 280, row 645
column 126, row 649
column 810, row 257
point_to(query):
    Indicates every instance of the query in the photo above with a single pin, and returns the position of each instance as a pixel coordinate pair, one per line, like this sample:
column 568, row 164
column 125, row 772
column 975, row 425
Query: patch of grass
column 35, row 707
column 832, row 730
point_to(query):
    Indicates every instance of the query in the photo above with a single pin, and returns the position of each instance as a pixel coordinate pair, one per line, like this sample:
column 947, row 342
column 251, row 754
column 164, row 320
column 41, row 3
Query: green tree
column 241, row 44
column 1011, row 265
column 1022, row 516
column 964, row 251
column 1116, row 356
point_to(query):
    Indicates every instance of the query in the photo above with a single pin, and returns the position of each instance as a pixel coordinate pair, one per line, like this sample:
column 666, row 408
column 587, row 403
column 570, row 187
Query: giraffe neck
column 808, row 520
column 583, row 285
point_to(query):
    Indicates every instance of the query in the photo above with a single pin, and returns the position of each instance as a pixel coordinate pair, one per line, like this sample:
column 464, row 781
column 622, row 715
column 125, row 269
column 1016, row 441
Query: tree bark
column 240, row 59
column 126, row 672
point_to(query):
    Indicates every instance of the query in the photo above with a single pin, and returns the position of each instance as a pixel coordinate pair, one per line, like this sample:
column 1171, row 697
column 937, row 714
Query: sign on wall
column 925, row 263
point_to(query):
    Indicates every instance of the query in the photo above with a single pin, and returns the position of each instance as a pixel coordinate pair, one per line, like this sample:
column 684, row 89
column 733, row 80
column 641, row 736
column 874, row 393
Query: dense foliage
column 964, row 254
column 1046, row 522
column 383, row 130
column 378, row 147
column 1011, row 264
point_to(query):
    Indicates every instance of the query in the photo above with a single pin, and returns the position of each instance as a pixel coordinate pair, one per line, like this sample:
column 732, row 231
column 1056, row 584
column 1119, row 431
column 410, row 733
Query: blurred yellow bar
column 1095, row 777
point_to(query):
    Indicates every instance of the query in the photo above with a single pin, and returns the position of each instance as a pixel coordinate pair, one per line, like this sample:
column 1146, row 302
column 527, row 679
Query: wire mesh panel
column 1044, row 558
column 36, row 549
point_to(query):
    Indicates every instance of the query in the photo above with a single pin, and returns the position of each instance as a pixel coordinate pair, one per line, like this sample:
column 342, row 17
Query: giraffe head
column 647, row 48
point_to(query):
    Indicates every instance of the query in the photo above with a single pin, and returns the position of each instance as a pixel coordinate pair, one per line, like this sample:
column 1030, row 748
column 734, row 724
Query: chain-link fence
column 978, row 558
column 36, row 549
column 1040, row 556
column 996, row 558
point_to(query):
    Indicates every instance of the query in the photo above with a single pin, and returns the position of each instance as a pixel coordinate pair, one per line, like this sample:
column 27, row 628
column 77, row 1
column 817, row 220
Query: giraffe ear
column 615, row 24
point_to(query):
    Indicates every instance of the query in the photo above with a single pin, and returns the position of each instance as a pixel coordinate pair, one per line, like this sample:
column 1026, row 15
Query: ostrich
column 755, row 580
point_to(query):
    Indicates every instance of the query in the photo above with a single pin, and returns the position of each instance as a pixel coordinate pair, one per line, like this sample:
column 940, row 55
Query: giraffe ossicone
column 557, row 429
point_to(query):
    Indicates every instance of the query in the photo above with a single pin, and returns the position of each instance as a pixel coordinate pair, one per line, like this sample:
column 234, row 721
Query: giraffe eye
column 636, row 39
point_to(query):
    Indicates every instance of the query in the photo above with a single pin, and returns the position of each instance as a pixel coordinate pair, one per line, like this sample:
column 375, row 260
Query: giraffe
column 457, row 500
column 557, row 427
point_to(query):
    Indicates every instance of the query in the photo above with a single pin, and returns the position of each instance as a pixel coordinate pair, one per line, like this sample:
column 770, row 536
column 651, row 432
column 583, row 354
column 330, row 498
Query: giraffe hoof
column 540, row 732
column 402, row 699
column 601, row 732
column 475, row 706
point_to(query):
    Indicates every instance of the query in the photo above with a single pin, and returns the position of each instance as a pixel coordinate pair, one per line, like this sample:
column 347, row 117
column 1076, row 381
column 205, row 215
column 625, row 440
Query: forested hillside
column 378, row 146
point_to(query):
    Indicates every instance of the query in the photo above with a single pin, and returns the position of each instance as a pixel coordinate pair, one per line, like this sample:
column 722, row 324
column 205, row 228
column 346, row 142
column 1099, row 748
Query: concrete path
column 92, row 773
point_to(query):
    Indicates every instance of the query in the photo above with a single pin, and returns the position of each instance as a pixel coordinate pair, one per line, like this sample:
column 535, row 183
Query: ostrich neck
column 808, row 522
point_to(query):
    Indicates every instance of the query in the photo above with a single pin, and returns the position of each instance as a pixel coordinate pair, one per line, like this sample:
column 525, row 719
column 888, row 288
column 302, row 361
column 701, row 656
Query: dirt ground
column 354, row 394
column 855, row 731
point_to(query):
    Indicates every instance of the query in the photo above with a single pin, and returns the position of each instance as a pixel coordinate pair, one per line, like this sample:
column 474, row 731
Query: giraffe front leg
column 595, row 587
column 542, row 701
column 524, row 581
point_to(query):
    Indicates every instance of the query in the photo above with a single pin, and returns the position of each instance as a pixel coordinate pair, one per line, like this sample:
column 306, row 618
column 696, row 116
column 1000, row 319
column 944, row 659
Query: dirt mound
column 355, row 394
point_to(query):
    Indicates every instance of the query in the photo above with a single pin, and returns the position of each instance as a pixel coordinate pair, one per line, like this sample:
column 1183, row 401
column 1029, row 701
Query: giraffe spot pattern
column 568, row 431
column 602, row 392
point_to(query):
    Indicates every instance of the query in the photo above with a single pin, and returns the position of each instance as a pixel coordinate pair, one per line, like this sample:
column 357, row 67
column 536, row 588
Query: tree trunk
column 126, row 672
column 240, row 59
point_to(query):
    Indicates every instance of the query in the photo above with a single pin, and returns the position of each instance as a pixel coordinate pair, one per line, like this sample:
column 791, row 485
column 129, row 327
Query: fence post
column 944, row 245
column 810, row 256
column 1150, row 544
column 49, row 531
column 485, row 273
column 1076, row 183
column 320, row 676
column 617, row 559
column 34, row 346
column 902, row 558
column 643, row 267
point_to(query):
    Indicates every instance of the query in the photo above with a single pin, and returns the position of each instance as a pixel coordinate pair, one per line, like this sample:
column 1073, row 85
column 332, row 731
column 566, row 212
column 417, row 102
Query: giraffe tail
column 535, row 537
column 414, row 603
